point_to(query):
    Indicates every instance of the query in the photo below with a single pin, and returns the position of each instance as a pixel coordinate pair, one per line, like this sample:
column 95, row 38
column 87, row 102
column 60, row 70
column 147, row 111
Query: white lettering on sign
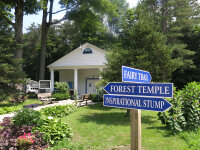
column 124, row 88
column 154, row 89
column 162, row 90
column 130, row 74
column 134, row 75
column 131, row 102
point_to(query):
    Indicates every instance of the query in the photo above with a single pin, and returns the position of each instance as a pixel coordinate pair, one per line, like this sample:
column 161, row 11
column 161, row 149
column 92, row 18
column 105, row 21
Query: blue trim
column 87, row 51
column 86, row 82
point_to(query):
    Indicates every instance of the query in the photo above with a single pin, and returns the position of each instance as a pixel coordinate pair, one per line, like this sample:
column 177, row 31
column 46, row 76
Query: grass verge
column 102, row 128
column 8, row 107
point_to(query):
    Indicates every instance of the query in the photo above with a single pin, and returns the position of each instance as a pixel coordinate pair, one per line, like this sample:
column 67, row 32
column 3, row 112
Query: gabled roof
column 76, row 58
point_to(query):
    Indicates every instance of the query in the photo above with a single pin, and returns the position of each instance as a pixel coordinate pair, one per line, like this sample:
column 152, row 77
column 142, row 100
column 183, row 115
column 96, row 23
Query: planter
column 31, row 105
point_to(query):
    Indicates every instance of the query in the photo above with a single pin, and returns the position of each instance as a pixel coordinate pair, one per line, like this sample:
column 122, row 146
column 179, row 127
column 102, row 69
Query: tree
column 176, row 19
column 31, row 48
column 143, row 48
column 10, row 72
column 86, row 14
column 20, row 7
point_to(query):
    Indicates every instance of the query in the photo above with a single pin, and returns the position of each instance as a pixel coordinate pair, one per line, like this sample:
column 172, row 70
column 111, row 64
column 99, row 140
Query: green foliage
column 185, row 113
column 32, row 95
column 143, row 48
column 58, row 111
column 27, row 117
column 5, row 110
column 192, row 138
column 62, row 91
column 69, row 145
column 53, row 130
column 61, row 87
column 11, row 74
column 94, row 97
column 8, row 107
column 60, row 96
column 176, row 19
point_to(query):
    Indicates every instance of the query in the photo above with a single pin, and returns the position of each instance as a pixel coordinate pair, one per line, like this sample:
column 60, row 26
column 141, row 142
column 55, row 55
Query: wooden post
column 135, row 129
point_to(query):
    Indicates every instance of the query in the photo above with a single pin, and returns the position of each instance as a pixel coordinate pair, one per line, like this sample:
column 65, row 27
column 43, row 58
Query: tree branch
column 50, row 11
column 7, row 20
column 58, row 21
column 59, row 11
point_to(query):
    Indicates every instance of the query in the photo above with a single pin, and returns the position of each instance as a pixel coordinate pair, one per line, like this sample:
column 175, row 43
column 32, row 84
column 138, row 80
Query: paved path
column 63, row 102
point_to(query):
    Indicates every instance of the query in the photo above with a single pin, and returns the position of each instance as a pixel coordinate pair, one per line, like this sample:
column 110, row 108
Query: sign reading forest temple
column 145, row 96
column 143, row 89
column 138, row 95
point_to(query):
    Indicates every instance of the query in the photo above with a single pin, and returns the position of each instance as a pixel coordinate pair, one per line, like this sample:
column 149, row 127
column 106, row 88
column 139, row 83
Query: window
column 87, row 51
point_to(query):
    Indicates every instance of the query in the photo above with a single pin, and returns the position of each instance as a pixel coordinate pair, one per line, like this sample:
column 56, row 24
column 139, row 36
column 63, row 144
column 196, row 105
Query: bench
column 86, row 97
column 45, row 97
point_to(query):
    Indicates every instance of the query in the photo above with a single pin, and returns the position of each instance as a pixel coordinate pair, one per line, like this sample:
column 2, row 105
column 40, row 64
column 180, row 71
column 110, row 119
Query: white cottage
column 80, row 68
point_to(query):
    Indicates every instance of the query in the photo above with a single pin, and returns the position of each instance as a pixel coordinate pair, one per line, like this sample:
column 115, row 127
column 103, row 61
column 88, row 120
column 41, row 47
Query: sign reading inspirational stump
column 141, row 95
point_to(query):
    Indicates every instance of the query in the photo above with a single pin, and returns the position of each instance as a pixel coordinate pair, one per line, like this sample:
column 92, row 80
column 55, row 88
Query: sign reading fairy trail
column 138, row 94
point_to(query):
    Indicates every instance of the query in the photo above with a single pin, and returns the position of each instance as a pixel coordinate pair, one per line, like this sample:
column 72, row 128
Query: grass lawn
column 26, row 102
column 102, row 128
column 8, row 107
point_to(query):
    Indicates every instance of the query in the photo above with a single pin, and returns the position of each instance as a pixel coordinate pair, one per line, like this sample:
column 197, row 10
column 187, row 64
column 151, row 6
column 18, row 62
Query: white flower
column 50, row 117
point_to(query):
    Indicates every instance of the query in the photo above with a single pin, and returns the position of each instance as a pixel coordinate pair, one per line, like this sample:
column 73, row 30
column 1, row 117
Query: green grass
column 7, row 107
column 192, row 138
column 101, row 128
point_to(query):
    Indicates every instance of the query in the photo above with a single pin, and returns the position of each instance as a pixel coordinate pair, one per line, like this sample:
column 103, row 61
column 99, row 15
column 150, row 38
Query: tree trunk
column 164, row 11
column 43, row 43
column 127, row 113
column 19, row 28
column 45, row 29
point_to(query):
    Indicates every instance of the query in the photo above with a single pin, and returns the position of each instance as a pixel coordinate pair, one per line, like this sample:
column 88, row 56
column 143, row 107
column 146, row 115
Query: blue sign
column 135, row 75
column 132, row 102
column 141, row 89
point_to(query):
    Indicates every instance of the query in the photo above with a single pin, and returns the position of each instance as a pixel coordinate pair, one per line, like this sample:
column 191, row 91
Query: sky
column 37, row 19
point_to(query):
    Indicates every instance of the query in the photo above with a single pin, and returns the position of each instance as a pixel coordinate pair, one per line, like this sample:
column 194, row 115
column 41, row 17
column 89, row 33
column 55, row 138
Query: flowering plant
column 25, row 140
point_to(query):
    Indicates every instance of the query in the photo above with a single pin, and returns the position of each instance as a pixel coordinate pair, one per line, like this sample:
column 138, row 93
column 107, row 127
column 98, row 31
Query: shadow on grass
column 99, row 106
column 148, row 119
column 109, row 118
column 6, row 105
column 161, row 129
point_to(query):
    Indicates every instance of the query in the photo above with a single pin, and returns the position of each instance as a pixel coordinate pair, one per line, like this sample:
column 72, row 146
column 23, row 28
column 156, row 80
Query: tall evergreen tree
column 176, row 19
column 145, row 49
column 10, row 72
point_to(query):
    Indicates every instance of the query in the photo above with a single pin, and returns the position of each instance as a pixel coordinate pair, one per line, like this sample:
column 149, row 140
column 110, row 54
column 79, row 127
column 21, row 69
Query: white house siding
column 77, row 59
column 88, row 66
column 68, row 75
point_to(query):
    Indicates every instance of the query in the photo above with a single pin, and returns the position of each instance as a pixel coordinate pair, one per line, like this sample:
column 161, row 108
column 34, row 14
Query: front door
column 91, row 88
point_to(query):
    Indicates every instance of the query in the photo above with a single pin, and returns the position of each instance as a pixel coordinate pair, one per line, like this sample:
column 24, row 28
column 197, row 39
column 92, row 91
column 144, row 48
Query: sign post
column 135, row 118
column 138, row 95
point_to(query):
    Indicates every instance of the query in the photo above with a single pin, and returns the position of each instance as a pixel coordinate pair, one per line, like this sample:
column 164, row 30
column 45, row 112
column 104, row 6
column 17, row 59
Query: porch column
column 76, row 80
column 100, row 70
column 52, row 80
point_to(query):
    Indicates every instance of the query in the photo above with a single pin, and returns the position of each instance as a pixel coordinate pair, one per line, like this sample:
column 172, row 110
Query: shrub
column 5, row 110
column 94, row 97
column 185, row 113
column 32, row 95
column 10, row 133
column 58, row 111
column 60, row 96
column 27, row 117
column 54, row 130
column 61, row 87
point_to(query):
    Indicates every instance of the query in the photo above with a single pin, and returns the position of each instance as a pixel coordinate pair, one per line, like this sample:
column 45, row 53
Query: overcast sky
column 28, row 20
